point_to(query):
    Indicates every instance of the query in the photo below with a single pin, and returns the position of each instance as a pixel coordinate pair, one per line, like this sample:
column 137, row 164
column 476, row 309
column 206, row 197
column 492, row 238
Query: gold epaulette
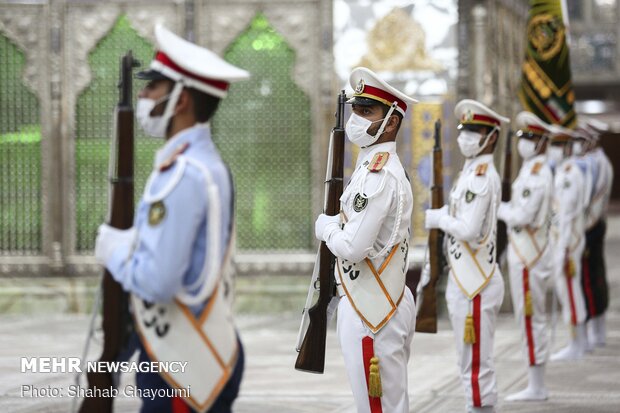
column 567, row 168
column 378, row 161
column 165, row 165
column 536, row 167
column 481, row 169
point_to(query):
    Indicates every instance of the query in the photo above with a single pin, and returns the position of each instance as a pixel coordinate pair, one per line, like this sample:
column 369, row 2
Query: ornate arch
column 17, row 24
column 220, row 23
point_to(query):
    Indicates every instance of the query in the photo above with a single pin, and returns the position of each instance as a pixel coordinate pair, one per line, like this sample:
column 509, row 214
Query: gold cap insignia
column 157, row 212
column 468, row 116
column 360, row 86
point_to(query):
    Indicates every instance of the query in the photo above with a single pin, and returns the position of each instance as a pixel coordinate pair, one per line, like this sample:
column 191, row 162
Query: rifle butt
column 311, row 357
column 98, row 382
column 426, row 320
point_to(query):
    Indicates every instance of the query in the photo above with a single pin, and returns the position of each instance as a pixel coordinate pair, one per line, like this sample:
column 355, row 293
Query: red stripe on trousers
column 528, row 319
column 585, row 264
column 368, row 352
column 475, row 368
column 179, row 406
column 571, row 299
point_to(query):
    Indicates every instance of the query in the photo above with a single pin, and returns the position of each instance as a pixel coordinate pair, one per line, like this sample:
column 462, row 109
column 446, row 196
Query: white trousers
column 534, row 332
column 475, row 361
column 569, row 289
column 392, row 345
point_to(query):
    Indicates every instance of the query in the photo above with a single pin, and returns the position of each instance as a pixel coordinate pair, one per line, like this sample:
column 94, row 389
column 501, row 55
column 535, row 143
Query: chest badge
column 359, row 203
column 526, row 193
column 157, row 212
column 469, row 196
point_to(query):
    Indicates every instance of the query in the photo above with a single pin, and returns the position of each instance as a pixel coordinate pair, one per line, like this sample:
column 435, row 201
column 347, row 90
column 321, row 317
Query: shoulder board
column 378, row 161
column 165, row 165
column 567, row 167
column 536, row 168
column 481, row 169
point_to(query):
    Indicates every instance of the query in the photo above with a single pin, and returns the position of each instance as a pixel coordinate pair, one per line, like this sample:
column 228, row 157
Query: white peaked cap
column 594, row 126
column 367, row 84
column 598, row 125
column 560, row 133
column 193, row 65
column 528, row 122
column 584, row 131
column 472, row 112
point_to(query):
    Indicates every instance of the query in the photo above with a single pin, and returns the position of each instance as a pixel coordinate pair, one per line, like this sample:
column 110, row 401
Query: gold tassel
column 469, row 336
column 374, row 379
column 529, row 310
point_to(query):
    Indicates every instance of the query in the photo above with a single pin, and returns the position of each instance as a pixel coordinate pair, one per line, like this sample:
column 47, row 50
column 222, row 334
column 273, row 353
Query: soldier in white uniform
column 370, row 239
column 528, row 216
column 475, row 288
column 175, row 260
column 568, row 240
column 587, row 163
column 595, row 280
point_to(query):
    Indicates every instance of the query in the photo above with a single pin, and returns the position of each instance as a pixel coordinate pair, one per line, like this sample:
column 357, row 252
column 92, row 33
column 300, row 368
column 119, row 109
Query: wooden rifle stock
column 311, row 357
column 427, row 315
column 502, row 234
column 116, row 322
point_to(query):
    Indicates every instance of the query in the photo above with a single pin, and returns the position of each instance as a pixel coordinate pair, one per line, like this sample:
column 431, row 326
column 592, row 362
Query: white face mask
column 469, row 142
column 526, row 148
column 153, row 126
column 555, row 154
column 357, row 128
column 156, row 126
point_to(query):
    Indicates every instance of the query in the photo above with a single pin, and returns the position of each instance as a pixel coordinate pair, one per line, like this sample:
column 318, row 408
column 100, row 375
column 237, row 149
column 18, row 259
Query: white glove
column 502, row 211
column 433, row 216
column 109, row 239
column 425, row 276
column 322, row 222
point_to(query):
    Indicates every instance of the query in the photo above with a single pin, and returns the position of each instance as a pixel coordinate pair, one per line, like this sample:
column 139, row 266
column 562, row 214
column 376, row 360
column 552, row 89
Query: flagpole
column 564, row 7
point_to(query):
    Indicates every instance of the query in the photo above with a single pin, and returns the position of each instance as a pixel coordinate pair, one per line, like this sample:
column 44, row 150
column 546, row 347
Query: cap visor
column 150, row 75
column 362, row 101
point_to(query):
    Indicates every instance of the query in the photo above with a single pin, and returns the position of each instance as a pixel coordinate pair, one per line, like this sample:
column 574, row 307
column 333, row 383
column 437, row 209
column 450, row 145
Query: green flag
column 546, row 89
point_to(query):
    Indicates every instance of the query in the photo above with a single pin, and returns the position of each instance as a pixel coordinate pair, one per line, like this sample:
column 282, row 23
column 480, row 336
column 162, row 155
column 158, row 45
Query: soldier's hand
column 433, row 216
column 425, row 276
column 503, row 211
column 322, row 222
column 109, row 239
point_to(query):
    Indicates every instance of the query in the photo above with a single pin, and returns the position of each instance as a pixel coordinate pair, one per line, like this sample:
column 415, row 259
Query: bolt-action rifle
column 311, row 357
column 502, row 234
column 427, row 296
column 116, row 322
